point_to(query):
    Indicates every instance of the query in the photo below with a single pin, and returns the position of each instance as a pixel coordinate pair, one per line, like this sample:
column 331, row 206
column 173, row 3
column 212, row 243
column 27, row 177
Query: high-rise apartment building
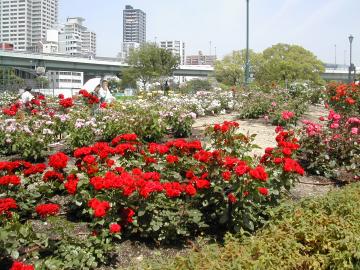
column 134, row 25
column 75, row 39
column 176, row 47
column 23, row 23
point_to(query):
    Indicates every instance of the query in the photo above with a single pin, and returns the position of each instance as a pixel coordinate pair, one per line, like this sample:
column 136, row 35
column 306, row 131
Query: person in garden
column 104, row 93
column 26, row 97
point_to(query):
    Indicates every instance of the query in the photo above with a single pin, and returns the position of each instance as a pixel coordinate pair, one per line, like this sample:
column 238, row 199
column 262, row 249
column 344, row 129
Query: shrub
column 316, row 233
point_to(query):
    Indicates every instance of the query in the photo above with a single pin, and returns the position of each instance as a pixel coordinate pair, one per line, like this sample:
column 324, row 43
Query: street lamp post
column 247, row 63
column 351, row 67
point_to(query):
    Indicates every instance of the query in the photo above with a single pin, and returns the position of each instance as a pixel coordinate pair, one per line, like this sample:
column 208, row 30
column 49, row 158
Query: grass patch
column 316, row 233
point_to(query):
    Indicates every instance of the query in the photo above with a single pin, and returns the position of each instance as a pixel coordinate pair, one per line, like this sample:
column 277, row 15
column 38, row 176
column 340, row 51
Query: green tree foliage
column 288, row 63
column 150, row 63
column 230, row 70
column 42, row 81
column 8, row 78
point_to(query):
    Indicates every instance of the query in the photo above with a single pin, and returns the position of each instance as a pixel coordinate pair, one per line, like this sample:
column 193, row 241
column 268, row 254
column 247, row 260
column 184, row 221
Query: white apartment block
column 127, row 47
column 23, row 23
column 65, row 79
column 75, row 39
column 177, row 47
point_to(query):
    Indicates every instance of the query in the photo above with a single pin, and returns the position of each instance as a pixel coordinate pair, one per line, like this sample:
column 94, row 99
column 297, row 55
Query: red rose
column 49, row 209
column 226, row 175
column 232, row 198
column 71, row 184
column 259, row 173
column 172, row 159
column 263, row 191
column 6, row 204
column 241, row 169
column 58, row 160
column 202, row 183
column 190, row 190
column 21, row 266
column 9, row 179
column 114, row 228
column 286, row 151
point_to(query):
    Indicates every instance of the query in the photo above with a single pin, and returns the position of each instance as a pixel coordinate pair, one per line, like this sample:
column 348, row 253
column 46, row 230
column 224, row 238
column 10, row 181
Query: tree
column 9, row 80
column 284, row 63
column 150, row 63
column 230, row 71
column 42, row 81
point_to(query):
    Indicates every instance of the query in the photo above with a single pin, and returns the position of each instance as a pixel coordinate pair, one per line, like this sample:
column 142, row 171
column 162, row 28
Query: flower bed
column 332, row 148
column 28, row 129
column 166, row 192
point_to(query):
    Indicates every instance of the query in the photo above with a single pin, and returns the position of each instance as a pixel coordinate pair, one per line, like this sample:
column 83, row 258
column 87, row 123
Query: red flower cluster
column 225, row 127
column 171, row 159
column 259, row 173
column 34, row 169
column 99, row 207
column 66, row 102
column 58, row 161
column 10, row 166
column 6, row 204
column 71, row 184
column 21, row 266
column 53, row 176
column 9, row 179
column 127, row 215
column 124, row 137
column 90, row 99
column 286, row 115
column 12, row 110
column 49, row 209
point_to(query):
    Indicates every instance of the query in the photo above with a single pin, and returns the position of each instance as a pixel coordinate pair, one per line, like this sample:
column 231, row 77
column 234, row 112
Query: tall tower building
column 134, row 25
column 24, row 23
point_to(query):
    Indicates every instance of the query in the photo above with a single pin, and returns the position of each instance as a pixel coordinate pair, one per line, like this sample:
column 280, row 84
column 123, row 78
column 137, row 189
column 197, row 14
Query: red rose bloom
column 99, row 207
column 66, row 102
column 263, row 191
column 6, row 204
column 127, row 214
column 58, row 160
column 9, row 179
column 61, row 96
column 172, row 159
column 226, row 175
column 190, row 190
column 259, row 173
column 71, row 184
column 49, row 209
column 21, row 266
column 114, row 228
column 53, row 175
column 202, row 183
column 286, row 151
column 232, row 198
column 241, row 169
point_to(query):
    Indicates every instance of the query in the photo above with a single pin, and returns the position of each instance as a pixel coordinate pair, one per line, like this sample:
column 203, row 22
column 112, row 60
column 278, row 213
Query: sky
column 317, row 25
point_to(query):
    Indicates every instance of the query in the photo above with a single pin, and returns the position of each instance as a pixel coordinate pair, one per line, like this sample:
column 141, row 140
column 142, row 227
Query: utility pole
column 247, row 64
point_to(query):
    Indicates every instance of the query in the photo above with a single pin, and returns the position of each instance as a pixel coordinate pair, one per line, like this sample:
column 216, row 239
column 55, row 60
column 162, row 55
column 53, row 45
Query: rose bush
column 166, row 192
